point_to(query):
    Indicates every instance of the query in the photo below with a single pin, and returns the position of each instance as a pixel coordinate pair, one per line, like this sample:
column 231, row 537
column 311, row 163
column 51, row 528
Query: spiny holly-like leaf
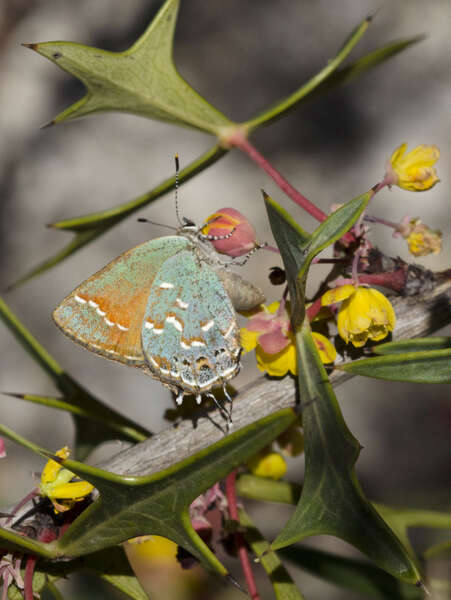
column 298, row 248
column 413, row 345
column 95, row 422
column 155, row 504
column 332, row 501
column 352, row 574
column 282, row 583
column 89, row 227
column 141, row 80
column 432, row 366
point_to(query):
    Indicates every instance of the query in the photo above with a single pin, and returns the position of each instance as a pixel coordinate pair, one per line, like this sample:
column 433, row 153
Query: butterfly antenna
column 144, row 220
column 177, row 170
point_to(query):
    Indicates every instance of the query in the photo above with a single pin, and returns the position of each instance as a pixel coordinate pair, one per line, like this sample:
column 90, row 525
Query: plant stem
column 243, row 144
column 239, row 540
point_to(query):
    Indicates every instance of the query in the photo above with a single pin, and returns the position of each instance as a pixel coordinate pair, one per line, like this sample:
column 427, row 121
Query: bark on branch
column 416, row 316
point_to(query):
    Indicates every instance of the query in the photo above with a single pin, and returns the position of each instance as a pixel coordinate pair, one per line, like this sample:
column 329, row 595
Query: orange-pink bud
column 230, row 222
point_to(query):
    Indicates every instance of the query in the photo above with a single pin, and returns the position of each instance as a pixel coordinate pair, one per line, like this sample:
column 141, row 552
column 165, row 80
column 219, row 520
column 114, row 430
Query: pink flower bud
column 229, row 222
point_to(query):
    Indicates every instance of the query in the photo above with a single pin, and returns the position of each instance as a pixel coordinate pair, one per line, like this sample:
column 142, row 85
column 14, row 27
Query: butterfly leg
column 229, row 413
column 179, row 398
column 222, row 410
column 240, row 263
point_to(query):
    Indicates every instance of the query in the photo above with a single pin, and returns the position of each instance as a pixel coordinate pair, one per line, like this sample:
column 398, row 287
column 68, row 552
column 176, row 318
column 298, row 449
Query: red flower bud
column 229, row 222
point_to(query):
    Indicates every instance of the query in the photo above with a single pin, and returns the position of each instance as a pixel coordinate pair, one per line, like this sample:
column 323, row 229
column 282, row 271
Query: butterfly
column 166, row 306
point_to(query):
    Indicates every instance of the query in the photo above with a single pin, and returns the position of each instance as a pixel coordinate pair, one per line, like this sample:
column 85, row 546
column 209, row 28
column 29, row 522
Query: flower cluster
column 269, row 332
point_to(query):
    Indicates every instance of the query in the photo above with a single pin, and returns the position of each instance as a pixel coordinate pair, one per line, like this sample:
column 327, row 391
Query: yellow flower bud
column 413, row 171
column 268, row 464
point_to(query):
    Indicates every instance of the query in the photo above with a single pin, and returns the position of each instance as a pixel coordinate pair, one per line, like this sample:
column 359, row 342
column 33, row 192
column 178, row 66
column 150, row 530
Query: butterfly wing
column 105, row 313
column 190, row 334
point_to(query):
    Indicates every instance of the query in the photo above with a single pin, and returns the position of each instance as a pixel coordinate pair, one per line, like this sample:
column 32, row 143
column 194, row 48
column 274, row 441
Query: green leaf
column 292, row 242
column 280, row 108
column 298, row 248
column 329, row 77
column 413, row 345
column 432, row 366
column 364, row 64
column 267, row 490
column 441, row 551
column 111, row 565
column 354, row 575
column 401, row 519
column 333, row 228
column 89, row 227
column 332, row 501
column 282, row 583
column 141, row 80
column 158, row 503
column 95, row 422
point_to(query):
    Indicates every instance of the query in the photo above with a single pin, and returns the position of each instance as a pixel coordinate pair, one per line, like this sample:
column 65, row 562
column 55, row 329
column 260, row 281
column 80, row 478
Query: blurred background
column 242, row 56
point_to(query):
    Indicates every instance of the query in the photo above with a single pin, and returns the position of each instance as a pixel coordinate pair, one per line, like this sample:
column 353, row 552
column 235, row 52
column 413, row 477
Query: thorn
column 14, row 394
column 234, row 582
column 49, row 124
column 31, row 46
column 373, row 16
column 420, row 584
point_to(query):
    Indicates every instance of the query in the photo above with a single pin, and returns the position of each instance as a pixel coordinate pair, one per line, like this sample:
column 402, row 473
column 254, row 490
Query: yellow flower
column 267, row 464
column 57, row 485
column 155, row 548
column 413, row 171
column 421, row 239
column 364, row 313
column 269, row 333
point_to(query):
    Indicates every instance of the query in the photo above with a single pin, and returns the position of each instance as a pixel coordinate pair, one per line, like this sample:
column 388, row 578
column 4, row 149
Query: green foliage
column 413, row 345
column 141, row 80
column 298, row 248
column 178, row 103
column 351, row 574
column 144, row 81
column 283, row 585
column 332, row 501
column 129, row 506
column 427, row 366
column 94, row 421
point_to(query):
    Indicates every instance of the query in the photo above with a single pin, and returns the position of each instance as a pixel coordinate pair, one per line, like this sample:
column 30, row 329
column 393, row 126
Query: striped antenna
column 177, row 169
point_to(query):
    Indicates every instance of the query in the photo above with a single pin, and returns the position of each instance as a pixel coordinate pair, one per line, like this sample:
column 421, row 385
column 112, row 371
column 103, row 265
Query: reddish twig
column 239, row 540
column 240, row 141
column 28, row 577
